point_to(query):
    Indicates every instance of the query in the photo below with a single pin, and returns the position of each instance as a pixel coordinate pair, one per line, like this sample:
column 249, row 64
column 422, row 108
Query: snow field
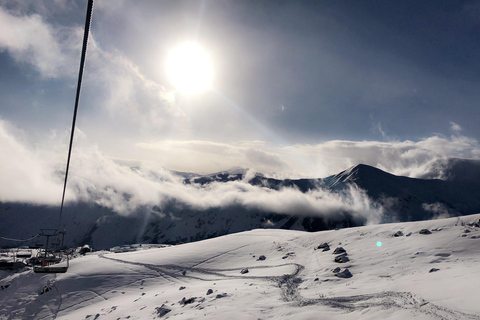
column 295, row 280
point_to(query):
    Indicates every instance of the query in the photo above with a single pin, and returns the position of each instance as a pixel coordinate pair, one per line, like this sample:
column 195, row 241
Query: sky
column 299, row 88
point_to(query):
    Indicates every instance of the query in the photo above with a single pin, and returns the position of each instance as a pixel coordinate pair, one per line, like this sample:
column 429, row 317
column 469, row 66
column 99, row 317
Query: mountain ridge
column 398, row 198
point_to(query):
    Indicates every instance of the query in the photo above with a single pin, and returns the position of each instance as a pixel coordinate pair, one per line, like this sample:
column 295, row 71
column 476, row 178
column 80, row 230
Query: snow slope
column 294, row 281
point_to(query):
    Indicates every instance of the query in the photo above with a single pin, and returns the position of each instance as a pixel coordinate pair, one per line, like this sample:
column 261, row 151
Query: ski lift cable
column 20, row 240
column 77, row 98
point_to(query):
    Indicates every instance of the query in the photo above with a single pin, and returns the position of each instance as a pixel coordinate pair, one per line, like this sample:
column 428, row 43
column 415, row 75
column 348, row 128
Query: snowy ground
column 294, row 281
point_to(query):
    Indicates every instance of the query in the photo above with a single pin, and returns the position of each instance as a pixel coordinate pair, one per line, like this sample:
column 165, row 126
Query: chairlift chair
column 24, row 253
column 51, row 264
column 51, row 269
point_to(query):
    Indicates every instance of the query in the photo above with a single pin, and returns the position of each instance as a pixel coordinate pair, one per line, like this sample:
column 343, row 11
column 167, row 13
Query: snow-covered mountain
column 256, row 201
column 424, row 270
column 403, row 198
column 410, row 199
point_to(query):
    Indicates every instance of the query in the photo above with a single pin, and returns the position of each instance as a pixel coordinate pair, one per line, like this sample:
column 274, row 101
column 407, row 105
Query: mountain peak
column 355, row 173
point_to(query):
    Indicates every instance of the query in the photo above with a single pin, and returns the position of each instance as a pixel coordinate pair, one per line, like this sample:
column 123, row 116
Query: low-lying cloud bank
column 35, row 175
column 407, row 158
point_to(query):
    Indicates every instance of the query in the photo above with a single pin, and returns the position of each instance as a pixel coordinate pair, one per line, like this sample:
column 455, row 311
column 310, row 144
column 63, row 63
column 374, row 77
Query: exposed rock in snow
column 4, row 286
column 324, row 246
column 345, row 273
column 261, row 258
column 288, row 255
column 341, row 258
column 339, row 250
column 187, row 301
column 425, row 231
column 162, row 310
column 399, row 233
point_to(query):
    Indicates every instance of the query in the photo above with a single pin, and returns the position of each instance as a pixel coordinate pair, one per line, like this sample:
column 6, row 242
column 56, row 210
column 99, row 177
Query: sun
column 189, row 68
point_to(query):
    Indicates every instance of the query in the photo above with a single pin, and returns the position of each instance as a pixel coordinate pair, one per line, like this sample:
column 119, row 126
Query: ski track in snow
column 165, row 275
column 163, row 271
column 385, row 299
column 288, row 284
column 392, row 299
column 219, row 255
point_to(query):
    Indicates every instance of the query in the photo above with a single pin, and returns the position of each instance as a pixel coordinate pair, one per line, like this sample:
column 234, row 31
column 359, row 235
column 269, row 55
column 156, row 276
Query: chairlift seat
column 53, row 268
column 50, row 269
column 24, row 254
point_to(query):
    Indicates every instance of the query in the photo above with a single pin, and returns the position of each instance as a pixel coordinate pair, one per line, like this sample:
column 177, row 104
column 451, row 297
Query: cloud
column 125, row 191
column 207, row 156
column 94, row 177
column 35, row 176
column 455, row 127
column 25, row 177
column 262, row 161
column 121, row 88
column 440, row 210
column 32, row 41
column 127, row 93
column 408, row 158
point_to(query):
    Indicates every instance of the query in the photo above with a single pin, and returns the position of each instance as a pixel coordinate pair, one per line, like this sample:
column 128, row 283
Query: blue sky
column 301, row 88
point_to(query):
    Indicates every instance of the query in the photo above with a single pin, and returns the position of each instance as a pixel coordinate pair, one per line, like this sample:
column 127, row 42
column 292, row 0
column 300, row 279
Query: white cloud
column 25, row 176
column 129, row 93
column 30, row 174
column 95, row 177
column 439, row 210
column 32, row 41
column 408, row 158
column 265, row 161
column 455, row 127
column 54, row 52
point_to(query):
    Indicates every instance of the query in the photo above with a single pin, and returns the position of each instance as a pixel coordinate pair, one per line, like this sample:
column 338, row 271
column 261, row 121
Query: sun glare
column 189, row 68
